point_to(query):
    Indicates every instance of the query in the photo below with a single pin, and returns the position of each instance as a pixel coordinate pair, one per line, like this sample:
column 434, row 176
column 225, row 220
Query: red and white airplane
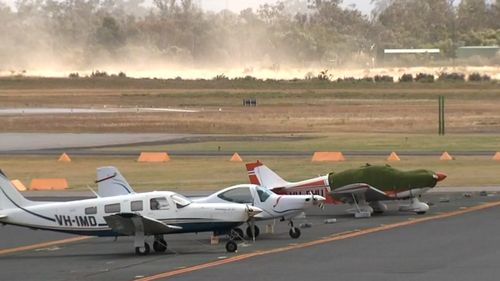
column 260, row 174
column 365, row 188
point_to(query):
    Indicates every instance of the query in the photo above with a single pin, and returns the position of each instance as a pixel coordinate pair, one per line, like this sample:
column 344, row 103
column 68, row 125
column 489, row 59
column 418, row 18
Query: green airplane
column 364, row 188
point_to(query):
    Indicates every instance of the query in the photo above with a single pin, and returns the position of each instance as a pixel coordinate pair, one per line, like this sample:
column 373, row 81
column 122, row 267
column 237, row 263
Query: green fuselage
column 384, row 178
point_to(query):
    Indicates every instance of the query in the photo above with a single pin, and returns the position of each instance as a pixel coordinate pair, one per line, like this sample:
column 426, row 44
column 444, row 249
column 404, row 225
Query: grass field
column 211, row 173
column 283, row 107
column 334, row 142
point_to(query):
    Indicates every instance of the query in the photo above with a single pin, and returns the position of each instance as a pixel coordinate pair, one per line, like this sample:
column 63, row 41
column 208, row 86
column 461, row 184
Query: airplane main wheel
column 237, row 234
column 256, row 231
column 294, row 232
column 231, row 246
column 160, row 245
column 421, row 213
column 142, row 251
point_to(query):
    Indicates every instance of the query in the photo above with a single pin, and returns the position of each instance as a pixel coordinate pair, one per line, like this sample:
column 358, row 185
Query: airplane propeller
column 317, row 200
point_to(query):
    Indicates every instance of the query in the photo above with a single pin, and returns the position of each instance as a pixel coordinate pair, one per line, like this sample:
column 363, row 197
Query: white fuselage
column 272, row 205
column 86, row 217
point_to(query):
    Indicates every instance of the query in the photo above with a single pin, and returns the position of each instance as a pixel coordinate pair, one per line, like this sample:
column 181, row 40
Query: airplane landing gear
column 159, row 245
column 361, row 208
column 236, row 234
column 255, row 233
column 231, row 246
column 415, row 206
column 142, row 251
column 294, row 231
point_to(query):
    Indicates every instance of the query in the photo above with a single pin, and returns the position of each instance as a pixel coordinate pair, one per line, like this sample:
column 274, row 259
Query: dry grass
column 211, row 173
column 395, row 110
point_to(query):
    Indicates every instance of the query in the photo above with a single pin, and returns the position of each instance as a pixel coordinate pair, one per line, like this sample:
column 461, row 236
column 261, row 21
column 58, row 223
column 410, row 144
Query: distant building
column 411, row 51
column 481, row 51
column 410, row 56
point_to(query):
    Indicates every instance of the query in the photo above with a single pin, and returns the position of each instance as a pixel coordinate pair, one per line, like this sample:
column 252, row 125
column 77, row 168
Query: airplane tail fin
column 110, row 182
column 9, row 196
column 260, row 174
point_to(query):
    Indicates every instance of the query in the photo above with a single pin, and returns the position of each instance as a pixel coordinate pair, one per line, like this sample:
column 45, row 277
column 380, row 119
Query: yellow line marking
column 335, row 237
column 42, row 245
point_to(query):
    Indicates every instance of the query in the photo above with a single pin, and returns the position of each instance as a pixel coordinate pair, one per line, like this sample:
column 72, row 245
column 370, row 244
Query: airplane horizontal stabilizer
column 129, row 223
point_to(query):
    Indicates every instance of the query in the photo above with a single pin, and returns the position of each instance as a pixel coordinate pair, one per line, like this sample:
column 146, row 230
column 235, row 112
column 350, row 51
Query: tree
column 109, row 35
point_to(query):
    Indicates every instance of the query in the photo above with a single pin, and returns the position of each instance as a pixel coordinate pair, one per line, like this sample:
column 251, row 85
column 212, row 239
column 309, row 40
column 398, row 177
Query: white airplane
column 140, row 215
column 273, row 206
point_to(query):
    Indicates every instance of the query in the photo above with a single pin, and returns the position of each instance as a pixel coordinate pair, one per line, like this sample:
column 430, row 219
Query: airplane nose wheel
column 294, row 231
column 142, row 250
column 231, row 246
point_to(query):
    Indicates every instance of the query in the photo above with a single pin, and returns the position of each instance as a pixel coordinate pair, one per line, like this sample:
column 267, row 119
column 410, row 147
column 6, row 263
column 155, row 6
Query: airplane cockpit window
column 158, row 203
column 264, row 193
column 180, row 201
column 237, row 195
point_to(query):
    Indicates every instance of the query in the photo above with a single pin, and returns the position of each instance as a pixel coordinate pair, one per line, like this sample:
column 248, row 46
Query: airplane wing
column 2, row 216
column 359, row 190
column 128, row 223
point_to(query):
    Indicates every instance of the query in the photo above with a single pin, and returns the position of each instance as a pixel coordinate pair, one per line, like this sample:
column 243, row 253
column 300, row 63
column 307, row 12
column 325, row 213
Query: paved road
column 460, row 247
column 46, row 141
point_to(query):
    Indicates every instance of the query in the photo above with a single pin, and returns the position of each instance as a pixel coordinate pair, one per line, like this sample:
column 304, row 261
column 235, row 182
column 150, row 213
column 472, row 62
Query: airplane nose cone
column 253, row 211
column 440, row 176
column 319, row 198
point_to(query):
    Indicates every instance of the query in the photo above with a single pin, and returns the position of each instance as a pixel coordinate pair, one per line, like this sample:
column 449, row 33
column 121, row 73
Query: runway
column 455, row 240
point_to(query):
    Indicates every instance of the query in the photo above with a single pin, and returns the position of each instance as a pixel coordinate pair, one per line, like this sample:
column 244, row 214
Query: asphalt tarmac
column 458, row 239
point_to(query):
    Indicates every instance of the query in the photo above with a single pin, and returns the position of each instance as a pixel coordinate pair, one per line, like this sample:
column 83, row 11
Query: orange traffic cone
column 236, row 158
column 64, row 158
column 393, row 157
column 445, row 156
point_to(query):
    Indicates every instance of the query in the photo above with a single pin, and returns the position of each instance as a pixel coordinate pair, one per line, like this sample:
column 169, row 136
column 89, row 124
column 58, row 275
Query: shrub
column 220, row 77
column 346, row 79
column 97, row 73
column 406, row 78
column 74, row 75
column 476, row 77
column 323, row 75
column 453, row 77
column 366, row 79
column 424, row 78
column 383, row 78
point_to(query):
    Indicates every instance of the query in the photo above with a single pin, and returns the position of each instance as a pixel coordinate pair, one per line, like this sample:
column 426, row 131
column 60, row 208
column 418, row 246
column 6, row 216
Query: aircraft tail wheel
column 160, row 245
column 231, row 246
column 294, row 232
column 142, row 250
